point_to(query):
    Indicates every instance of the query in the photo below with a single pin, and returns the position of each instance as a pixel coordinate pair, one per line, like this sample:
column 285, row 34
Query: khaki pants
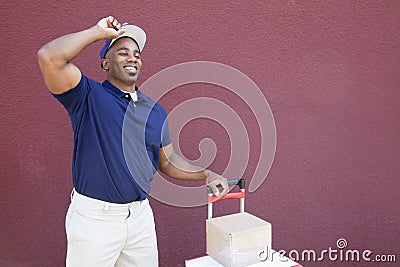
column 106, row 234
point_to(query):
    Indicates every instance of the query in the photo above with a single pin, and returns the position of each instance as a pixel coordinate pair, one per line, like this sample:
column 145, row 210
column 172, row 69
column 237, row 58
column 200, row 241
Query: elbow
column 43, row 55
column 46, row 55
column 164, row 167
column 49, row 59
column 161, row 167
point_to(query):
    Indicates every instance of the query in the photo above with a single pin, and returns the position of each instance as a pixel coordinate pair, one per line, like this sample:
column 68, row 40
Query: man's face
column 123, row 63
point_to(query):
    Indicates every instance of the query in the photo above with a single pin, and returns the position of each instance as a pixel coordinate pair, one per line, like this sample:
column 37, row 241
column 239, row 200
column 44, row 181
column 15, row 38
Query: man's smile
column 131, row 68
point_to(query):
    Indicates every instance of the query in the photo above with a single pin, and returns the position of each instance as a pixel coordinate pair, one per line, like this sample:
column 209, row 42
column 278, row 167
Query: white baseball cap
column 134, row 32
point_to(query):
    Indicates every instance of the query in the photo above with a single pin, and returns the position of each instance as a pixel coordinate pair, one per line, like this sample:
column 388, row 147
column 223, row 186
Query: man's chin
column 132, row 79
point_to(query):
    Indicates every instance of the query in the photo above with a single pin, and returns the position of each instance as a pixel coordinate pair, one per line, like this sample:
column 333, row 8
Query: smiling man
column 122, row 60
column 121, row 138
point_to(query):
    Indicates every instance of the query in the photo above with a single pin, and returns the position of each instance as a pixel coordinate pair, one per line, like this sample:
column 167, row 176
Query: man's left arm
column 176, row 167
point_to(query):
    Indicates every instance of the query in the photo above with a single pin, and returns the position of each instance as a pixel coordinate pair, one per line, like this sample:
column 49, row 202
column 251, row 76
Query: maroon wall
column 330, row 72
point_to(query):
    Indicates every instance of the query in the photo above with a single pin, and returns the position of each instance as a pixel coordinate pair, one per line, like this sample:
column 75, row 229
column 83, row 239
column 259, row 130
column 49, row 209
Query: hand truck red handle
column 232, row 195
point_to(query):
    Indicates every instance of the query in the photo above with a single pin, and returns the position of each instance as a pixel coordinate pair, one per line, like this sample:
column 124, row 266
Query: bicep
column 57, row 76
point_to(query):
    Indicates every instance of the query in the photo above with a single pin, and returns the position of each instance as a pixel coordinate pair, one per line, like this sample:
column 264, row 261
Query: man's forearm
column 176, row 167
column 65, row 48
column 179, row 168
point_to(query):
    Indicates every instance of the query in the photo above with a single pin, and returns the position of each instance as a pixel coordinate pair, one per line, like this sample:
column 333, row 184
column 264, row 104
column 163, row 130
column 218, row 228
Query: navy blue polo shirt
column 116, row 141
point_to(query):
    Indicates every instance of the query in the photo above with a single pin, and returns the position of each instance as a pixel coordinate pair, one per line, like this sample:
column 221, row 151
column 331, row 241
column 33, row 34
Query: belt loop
column 72, row 194
column 106, row 206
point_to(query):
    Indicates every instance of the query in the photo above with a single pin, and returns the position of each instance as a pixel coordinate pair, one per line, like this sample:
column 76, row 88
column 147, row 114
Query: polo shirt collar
column 120, row 93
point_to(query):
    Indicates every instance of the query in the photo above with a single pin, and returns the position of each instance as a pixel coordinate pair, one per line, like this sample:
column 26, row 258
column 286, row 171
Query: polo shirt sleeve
column 74, row 99
column 165, row 137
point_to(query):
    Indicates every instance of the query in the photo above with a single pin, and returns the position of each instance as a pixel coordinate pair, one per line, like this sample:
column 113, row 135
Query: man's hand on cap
column 111, row 27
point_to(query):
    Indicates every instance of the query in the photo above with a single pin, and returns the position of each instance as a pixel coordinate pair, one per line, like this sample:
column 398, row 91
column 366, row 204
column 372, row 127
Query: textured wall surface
column 330, row 71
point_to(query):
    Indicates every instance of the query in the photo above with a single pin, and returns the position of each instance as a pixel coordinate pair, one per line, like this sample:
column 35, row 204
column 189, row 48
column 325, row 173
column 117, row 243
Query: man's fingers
column 112, row 23
column 219, row 187
column 111, row 27
column 213, row 187
column 215, row 190
column 121, row 31
column 116, row 25
column 224, row 187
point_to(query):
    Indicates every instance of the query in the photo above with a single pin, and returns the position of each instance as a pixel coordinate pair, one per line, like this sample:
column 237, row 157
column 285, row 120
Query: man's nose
column 132, row 58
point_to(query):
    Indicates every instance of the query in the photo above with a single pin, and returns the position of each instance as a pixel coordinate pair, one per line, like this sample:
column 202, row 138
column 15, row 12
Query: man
column 120, row 139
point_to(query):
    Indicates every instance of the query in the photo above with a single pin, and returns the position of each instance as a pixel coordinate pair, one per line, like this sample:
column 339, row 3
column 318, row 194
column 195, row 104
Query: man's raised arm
column 59, row 74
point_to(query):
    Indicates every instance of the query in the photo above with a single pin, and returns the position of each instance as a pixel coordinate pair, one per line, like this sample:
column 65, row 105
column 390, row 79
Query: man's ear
column 104, row 64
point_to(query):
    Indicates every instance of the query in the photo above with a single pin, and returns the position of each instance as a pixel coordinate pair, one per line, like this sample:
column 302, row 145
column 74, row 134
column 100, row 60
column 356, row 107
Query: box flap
column 238, row 222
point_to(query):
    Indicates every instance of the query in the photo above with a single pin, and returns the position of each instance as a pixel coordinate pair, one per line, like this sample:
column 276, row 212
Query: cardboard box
column 207, row 261
column 236, row 240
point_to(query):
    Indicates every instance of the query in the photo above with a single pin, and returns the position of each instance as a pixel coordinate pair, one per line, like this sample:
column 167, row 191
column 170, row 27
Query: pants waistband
column 92, row 203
